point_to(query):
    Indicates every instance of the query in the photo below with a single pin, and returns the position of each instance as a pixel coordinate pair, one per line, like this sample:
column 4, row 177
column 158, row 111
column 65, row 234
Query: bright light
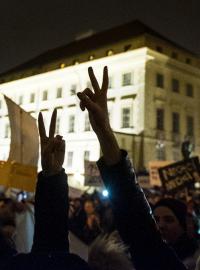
column 197, row 185
column 105, row 193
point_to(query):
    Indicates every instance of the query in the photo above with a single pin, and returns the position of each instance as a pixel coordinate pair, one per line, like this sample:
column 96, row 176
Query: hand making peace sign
column 96, row 102
column 52, row 147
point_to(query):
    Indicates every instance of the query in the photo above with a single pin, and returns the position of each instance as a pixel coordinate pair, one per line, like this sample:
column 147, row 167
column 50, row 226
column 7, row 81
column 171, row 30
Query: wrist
column 47, row 172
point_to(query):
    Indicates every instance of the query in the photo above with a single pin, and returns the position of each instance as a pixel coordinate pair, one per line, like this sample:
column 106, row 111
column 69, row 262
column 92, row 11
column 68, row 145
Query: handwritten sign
column 16, row 175
column 153, row 171
column 179, row 175
column 92, row 174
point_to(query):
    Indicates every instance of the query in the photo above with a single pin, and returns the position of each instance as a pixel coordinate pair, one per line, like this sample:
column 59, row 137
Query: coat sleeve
column 51, row 214
column 134, row 219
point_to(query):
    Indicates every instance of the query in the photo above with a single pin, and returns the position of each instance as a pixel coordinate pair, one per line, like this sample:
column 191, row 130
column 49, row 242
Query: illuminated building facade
column 153, row 97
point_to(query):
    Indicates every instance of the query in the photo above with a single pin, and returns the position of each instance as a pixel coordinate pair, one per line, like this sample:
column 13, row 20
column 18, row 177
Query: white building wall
column 79, row 141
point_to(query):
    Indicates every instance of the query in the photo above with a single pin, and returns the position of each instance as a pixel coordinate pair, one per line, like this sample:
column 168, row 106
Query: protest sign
column 24, row 145
column 180, row 174
column 92, row 174
column 153, row 171
column 16, row 175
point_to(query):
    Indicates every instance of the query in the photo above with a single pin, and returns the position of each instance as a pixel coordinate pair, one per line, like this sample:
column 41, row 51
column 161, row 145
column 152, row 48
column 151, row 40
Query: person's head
column 170, row 215
column 77, row 203
column 89, row 207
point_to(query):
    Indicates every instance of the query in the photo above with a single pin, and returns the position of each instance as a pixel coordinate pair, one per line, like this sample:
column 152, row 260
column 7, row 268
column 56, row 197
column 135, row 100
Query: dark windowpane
column 69, row 159
column 159, row 49
column 71, row 123
column 175, row 85
column 126, row 117
column 45, row 95
column 189, row 90
column 175, row 122
column 20, row 100
column 159, row 80
column 32, row 98
column 59, row 92
column 190, row 125
column 188, row 61
column 86, row 155
column 87, row 123
column 174, row 55
column 160, row 119
column 73, row 89
column 126, row 79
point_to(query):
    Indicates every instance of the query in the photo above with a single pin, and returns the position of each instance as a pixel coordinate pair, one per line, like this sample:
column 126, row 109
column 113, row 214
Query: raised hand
column 52, row 148
column 96, row 102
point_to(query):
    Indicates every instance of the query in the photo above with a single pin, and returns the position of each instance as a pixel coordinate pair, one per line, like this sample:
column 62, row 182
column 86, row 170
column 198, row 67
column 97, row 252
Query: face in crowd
column 168, row 224
column 89, row 207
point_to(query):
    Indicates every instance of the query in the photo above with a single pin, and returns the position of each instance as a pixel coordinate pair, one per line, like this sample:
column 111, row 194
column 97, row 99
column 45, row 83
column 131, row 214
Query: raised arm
column 96, row 104
column 51, row 199
column 133, row 215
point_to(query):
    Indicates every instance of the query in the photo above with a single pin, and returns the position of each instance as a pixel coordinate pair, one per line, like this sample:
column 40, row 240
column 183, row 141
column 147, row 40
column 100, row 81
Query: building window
column 175, row 85
column 89, row 85
column 126, row 79
column 62, row 65
column 190, row 125
column 20, row 100
column 174, row 55
column 32, row 98
column 91, row 57
column 160, row 119
column 87, row 123
column 127, row 47
column 71, row 123
column 109, row 52
column 159, row 49
column 59, row 92
column 175, row 122
column 69, row 159
column 189, row 90
column 73, row 90
column 86, row 155
column 76, row 62
column 58, row 125
column 126, row 117
column 7, row 131
column 188, row 61
column 160, row 150
column 110, row 83
column 44, row 95
column 159, row 80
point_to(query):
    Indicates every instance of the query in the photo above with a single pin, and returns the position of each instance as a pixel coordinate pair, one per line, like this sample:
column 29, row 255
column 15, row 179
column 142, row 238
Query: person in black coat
column 133, row 215
column 50, row 248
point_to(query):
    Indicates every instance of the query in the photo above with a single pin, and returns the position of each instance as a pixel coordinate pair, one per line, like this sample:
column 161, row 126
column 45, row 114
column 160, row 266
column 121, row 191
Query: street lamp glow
column 105, row 193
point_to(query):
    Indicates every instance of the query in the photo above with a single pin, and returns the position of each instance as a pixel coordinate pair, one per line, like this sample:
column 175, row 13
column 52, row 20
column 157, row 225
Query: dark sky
column 29, row 28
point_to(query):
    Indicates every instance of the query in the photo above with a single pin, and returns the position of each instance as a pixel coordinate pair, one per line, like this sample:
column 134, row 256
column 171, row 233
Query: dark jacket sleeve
column 134, row 220
column 51, row 214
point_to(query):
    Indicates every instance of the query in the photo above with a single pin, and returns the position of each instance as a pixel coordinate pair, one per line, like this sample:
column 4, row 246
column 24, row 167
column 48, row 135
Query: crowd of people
column 161, row 234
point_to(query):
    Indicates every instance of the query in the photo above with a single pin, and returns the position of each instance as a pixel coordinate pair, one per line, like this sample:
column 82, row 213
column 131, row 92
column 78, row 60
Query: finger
column 105, row 79
column 87, row 102
column 89, row 93
column 82, row 106
column 60, row 146
column 53, row 124
column 58, row 137
column 93, row 80
column 41, row 126
column 50, row 147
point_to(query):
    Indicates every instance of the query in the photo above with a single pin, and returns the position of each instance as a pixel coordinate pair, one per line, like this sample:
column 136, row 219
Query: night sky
column 29, row 28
